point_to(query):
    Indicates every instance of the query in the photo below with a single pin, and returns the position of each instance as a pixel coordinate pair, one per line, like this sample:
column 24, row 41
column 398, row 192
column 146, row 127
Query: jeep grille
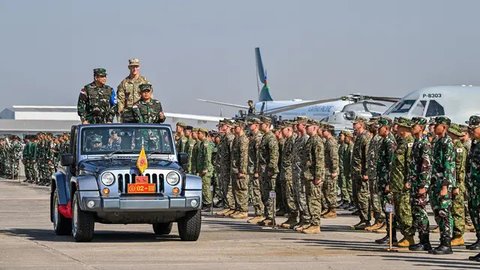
column 126, row 178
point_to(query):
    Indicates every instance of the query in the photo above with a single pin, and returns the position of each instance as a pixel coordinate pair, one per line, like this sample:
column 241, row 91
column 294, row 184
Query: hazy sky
column 205, row 49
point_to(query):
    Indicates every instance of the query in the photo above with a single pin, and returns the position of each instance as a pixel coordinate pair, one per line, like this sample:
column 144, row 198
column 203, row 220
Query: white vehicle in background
column 456, row 102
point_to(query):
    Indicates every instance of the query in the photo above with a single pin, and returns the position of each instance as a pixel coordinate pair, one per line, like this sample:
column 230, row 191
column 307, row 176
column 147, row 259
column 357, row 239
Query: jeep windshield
column 104, row 140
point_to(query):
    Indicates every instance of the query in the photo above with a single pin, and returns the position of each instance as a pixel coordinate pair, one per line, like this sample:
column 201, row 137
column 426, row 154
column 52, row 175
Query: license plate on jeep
column 141, row 188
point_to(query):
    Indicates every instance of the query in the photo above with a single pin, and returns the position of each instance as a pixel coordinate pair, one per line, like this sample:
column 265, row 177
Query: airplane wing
column 298, row 105
column 224, row 103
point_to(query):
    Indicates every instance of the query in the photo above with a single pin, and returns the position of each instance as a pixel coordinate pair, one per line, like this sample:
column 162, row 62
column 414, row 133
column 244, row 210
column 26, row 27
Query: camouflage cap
column 195, row 129
column 286, row 124
column 99, row 72
column 204, row 130
column 328, row 127
column 464, row 128
column 311, row 122
column 228, row 122
column 301, row 119
column 133, row 62
column 384, row 121
column 422, row 121
column 181, row 124
column 455, row 130
column 431, row 121
column 348, row 133
column 360, row 119
column 404, row 122
column 442, row 120
column 266, row 120
column 145, row 87
column 254, row 120
column 240, row 123
column 474, row 122
column 189, row 128
column 373, row 122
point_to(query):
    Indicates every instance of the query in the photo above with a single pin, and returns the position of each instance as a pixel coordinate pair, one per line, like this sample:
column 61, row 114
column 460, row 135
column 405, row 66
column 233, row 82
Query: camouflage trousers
column 474, row 209
column 240, row 192
column 206, row 192
column 227, row 191
column 329, row 192
column 458, row 212
column 403, row 212
column 299, row 187
column 346, row 189
column 30, row 172
column 280, row 190
column 375, row 202
column 256, row 195
column 267, row 183
column 442, row 209
column 291, row 204
column 314, row 199
column 420, row 220
column 468, row 219
column 363, row 198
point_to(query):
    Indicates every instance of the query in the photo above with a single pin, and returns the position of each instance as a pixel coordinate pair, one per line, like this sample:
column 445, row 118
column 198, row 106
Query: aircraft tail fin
column 264, row 94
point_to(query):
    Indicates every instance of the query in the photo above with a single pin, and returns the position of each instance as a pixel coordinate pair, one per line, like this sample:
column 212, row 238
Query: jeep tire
column 61, row 224
column 83, row 223
column 189, row 226
column 162, row 228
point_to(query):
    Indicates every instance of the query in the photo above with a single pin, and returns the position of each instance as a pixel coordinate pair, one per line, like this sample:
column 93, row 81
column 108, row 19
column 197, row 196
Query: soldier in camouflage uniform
column 359, row 172
column 2, row 156
column 268, row 168
column 473, row 181
column 253, row 155
column 458, row 200
column 97, row 100
column 329, row 187
column 224, row 175
column 239, row 165
column 384, row 165
column 287, row 166
column 443, row 184
column 299, row 183
column 419, row 176
column 205, row 166
column 16, row 150
column 189, row 148
column 372, row 157
column 148, row 109
column 347, row 188
column 28, row 160
column 180, row 139
column 314, row 175
column 467, row 144
column 195, row 148
column 341, row 177
column 280, row 183
column 128, row 91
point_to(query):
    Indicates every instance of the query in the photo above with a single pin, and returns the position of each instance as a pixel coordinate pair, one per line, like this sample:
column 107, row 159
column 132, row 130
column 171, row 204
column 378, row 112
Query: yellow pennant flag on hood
column 142, row 162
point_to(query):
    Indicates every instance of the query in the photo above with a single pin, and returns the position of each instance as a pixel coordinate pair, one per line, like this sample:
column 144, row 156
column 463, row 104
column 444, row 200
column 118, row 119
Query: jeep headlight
column 108, row 179
column 173, row 178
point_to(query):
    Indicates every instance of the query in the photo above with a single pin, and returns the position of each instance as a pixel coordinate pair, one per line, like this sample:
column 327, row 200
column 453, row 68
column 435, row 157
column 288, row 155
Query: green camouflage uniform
column 191, row 167
column 128, row 94
column 94, row 104
column 268, row 166
column 341, row 175
column 148, row 111
column 372, row 157
column 347, row 187
column 280, row 183
column 16, row 150
column 398, row 179
column 473, row 184
column 443, row 174
column 329, row 187
column 239, row 165
column 314, row 169
column 419, row 176
column 458, row 202
column 224, row 175
column 299, row 183
column 287, row 166
column 359, row 169
column 253, row 155
column 205, row 169
column 181, row 144
column 384, row 166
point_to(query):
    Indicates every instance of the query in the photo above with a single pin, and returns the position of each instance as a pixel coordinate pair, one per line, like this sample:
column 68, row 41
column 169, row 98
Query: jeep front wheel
column 162, row 228
column 61, row 224
column 83, row 223
column 189, row 226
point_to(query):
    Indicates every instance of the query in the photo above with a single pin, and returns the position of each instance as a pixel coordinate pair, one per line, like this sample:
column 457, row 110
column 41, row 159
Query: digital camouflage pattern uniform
column 458, row 201
column 224, row 153
column 205, row 167
column 148, row 111
column 128, row 94
column 95, row 103
column 359, row 169
column 347, row 188
column 299, row 183
column 268, row 166
column 473, row 179
column 287, row 166
column 329, row 187
column 384, row 166
column 341, row 176
column 239, row 165
column 191, row 167
column 372, row 157
column 253, row 155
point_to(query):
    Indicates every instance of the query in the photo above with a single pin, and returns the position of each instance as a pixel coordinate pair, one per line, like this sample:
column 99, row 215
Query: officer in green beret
column 148, row 109
column 96, row 102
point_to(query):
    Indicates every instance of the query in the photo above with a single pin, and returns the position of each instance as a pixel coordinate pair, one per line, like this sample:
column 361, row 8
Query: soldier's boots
column 332, row 213
column 423, row 245
column 475, row 258
column 290, row 223
column 457, row 241
column 476, row 245
column 240, row 215
column 231, row 213
column 324, row 211
column 256, row 219
column 223, row 212
column 407, row 241
column 381, row 229
column 301, row 226
column 266, row 222
column 443, row 248
column 386, row 238
column 375, row 226
column 469, row 228
column 361, row 225
column 313, row 229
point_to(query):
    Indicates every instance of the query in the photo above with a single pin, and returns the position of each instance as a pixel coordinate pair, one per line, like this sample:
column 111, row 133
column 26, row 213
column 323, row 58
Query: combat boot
column 386, row 239
column 301, row 226
column 255, row 219
column 361, row 225
column 407, row 241
column 223, row 212
column 375, row 226
column 330, row 214
column 457, row 241
column 291, row 221
column 324, row 211
column 313, row 229
column 475, row 258
column 423, row 245
column 476, row 245
column 381, row 229
column 266, row 222
column 230, row 212
column 443, row 248
column 239, row 215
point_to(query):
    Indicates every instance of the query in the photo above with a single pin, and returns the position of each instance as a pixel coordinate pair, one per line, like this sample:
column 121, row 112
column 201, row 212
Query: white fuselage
column 317, row 111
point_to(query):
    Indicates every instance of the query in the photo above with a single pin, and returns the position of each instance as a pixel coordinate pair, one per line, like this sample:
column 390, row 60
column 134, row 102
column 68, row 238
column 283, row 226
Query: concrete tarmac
column 27, row 241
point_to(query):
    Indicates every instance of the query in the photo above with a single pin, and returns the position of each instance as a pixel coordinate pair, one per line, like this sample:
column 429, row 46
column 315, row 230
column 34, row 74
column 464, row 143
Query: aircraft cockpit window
column 434, row 109
column 402, row 106
column 419, row 109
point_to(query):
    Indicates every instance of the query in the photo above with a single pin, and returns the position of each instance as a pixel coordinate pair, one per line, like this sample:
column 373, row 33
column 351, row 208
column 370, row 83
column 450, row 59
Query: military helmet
column 456, row 130
column 404, row 122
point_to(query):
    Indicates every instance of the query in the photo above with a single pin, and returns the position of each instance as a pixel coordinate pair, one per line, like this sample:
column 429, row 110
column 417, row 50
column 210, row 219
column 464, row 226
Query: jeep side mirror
column 182, row 158
column 67, row 160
